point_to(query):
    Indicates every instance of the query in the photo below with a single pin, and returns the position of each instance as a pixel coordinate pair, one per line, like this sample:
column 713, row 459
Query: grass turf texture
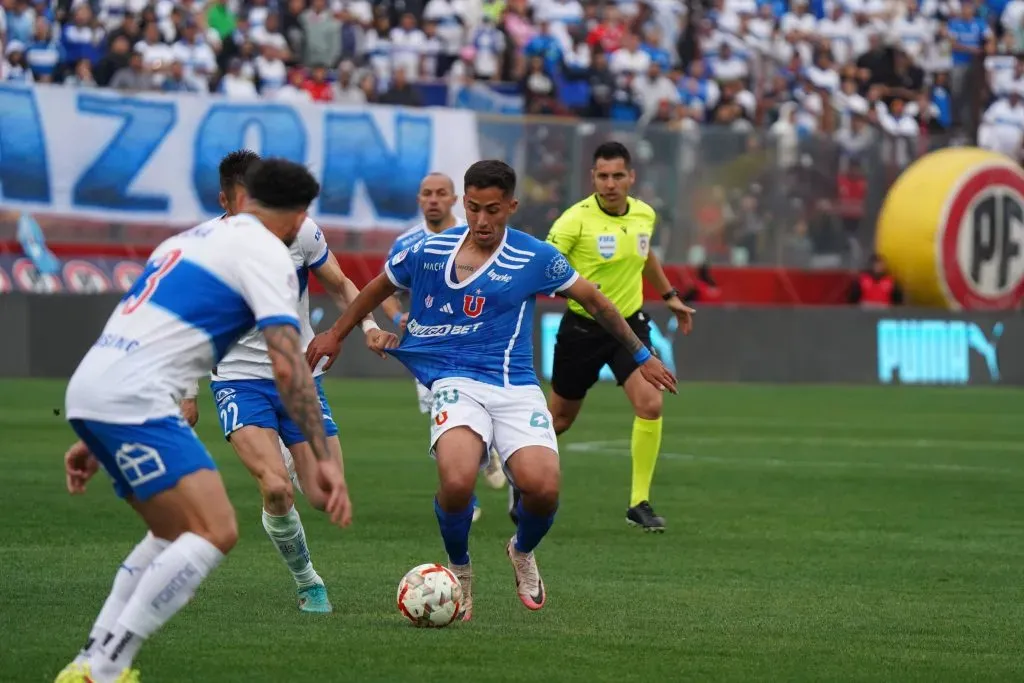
column 814, row 534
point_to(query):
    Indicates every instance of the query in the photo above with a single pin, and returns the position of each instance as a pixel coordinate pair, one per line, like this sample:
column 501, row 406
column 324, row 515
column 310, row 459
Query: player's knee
column 456, row 492
column 277, row 490
column 648, row 406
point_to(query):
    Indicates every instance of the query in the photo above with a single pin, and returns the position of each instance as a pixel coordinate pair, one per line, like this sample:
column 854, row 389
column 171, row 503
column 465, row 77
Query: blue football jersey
column 480, row 328
column 407, row 239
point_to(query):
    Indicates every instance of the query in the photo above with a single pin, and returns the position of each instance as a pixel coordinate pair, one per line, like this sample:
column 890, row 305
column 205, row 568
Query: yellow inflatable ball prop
column 952, row 230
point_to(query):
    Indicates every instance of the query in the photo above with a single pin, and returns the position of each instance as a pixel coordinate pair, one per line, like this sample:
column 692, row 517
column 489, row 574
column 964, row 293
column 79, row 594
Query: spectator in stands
column 196, row 56
column 400, row 92
column 175, row 80
column 15, row 69
column 270, row 70
column 82, row 76
column 656, row 94
column 221, row 19
column 875, row 287
column 21, row 22
column 44, row 54
column 133, row 77
column 539, row 88
column 317, row 86
column 347, row 90
column 295, row 89
column 79, row 39
column 321, row 33
column 629, row 58
column 234, row 85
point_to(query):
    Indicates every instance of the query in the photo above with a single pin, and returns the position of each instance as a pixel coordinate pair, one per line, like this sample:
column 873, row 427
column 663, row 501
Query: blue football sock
column 455, row 531
column 532, row 528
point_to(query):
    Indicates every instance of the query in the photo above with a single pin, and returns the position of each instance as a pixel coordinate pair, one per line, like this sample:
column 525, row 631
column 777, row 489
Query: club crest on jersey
column 429, row 301
column 558, row 268
column 223, row 395
column 606, row 245
column 472, row 305
column 399, row 257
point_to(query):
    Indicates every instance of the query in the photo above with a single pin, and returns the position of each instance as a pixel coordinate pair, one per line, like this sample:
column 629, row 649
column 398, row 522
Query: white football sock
column 290, row 538
column 125, row 581
column 167, row 586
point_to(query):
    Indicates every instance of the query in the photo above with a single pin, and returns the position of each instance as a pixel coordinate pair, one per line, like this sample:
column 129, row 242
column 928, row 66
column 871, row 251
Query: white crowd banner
column 153, row 158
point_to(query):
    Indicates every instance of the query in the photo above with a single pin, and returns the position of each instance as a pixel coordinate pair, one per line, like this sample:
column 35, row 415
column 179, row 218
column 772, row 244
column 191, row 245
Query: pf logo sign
column 952, row 230
column 982, row 240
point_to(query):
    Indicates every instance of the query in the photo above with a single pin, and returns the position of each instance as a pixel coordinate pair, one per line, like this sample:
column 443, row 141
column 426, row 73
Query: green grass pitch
column 815, row 534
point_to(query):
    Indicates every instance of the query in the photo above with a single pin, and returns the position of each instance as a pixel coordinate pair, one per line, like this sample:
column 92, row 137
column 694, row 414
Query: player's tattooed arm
column 604, row 312
column 295, row 385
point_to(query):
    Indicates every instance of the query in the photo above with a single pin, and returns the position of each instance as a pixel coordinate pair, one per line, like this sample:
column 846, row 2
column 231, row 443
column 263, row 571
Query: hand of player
column 683, row 313
column 403, row 321
column 190, row 411
column 323, row 344
column 378, row 340
column 655, row 372
column 332, row 482
column 79, row 466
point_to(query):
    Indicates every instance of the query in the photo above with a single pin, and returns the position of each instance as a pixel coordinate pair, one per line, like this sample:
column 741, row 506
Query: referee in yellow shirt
column 607, row 239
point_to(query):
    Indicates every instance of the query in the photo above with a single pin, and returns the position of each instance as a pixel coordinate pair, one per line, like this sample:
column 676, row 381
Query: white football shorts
column 425, row 396
column 506, row 418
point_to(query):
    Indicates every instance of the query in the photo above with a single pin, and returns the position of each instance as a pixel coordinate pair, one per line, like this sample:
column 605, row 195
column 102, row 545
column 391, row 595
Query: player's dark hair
column 613, row 150
column 281, row 184
column 234, row 166
column 491, row 173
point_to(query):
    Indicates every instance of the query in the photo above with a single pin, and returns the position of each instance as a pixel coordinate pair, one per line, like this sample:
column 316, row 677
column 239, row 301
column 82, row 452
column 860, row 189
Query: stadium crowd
column 842, row 93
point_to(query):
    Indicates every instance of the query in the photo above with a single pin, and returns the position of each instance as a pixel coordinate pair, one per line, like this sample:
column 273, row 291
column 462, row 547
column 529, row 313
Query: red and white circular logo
column 981, row 240
column 82, row 277
column 29, row 279
column 126, row 273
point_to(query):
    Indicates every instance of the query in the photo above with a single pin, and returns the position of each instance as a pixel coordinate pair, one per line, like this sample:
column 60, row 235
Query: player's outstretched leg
column 536, row 474
column 196, row 513
column 259, row 449
column 645, row 445
column 458, row 453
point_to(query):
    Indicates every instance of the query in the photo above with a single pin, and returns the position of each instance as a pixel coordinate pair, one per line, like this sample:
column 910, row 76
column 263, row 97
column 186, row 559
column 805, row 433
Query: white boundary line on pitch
column 622, row 448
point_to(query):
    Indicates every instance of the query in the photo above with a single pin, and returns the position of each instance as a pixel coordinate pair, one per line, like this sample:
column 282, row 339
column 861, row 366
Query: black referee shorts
column 583, row 347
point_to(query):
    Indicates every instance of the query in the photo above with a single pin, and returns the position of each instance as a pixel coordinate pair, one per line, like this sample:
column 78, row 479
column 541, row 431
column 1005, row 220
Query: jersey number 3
column 149, row 280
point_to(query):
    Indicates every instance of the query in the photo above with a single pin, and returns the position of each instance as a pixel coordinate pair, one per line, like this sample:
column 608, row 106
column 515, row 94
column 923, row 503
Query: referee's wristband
column 397, row 320
column 642, row 356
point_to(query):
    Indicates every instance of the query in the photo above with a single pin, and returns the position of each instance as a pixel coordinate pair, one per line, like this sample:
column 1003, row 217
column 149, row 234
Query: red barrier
column 750, row 286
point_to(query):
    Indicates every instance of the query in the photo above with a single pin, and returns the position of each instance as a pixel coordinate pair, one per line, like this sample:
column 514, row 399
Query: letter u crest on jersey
column 472, row 305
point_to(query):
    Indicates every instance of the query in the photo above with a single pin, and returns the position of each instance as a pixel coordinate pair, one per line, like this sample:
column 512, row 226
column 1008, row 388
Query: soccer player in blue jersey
column 436, row 199
column 200, row 292
column 470, row 340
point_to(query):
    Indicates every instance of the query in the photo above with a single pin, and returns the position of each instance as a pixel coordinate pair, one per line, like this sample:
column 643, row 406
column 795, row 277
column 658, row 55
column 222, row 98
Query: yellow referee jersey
column 608, row 250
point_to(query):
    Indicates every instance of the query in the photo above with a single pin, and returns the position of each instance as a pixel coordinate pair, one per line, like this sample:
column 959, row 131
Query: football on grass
column 430, row 596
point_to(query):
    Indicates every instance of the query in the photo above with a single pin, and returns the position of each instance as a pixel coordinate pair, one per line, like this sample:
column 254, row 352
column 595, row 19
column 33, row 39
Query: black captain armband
column 670, row 293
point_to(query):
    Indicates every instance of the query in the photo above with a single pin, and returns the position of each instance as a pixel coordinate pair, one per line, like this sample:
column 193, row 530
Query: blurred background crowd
column 766, row 130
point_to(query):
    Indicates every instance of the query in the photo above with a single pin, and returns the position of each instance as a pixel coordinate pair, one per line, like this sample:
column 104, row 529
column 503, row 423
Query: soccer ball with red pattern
column 430, row 596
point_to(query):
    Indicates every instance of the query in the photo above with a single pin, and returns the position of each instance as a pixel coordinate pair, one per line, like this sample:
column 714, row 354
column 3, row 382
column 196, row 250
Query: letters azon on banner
column 154, row 158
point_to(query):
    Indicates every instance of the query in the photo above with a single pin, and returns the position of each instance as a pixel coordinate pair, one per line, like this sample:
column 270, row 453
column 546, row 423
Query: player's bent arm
column 372, row 296
column 340, row 288
column 604, row 312
column 295, row 385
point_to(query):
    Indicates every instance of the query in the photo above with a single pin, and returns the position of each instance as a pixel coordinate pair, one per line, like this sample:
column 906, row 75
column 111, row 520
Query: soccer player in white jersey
column 199, row 293
column 470, row 340
column 436, row 199
column 252, row 416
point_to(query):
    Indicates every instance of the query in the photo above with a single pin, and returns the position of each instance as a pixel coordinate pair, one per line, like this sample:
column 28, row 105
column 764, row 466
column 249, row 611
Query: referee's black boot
column 642, row 515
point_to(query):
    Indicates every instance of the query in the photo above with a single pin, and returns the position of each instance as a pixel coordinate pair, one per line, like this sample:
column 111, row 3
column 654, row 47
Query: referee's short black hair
column 233, row 168
column 613, row 150
column 491, row 173
column 281, row 184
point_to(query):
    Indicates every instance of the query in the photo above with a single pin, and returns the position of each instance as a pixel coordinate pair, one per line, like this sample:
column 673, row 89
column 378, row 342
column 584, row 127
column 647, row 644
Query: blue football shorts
column 148, row 458
column 255, row 403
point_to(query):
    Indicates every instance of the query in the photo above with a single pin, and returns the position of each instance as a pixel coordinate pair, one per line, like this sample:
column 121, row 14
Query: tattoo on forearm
column 608, row 316
column 295, row 385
